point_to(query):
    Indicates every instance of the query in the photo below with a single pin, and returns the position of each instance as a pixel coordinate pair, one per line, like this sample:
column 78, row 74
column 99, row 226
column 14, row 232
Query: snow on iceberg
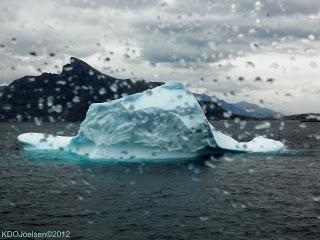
column 161, row 123
column 36, row 141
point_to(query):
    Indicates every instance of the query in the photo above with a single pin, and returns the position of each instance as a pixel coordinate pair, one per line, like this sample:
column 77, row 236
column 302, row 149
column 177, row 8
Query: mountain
column 204, row 97
column 65, row 96
column 2, row 87
column 308, row 117
column 249, row 109
column 241, row 108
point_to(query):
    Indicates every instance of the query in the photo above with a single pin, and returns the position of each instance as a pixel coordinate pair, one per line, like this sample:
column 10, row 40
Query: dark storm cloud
column 157, row 40
column 272, row 7
column 184, row 36
column 116, row 4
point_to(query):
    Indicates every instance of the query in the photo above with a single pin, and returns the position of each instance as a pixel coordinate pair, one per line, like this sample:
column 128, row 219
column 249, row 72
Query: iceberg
column 37, row 141
column 165, row 122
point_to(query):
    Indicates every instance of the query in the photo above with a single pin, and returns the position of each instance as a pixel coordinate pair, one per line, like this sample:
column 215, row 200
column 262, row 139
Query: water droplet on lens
column 204, row 218
column 102, row 91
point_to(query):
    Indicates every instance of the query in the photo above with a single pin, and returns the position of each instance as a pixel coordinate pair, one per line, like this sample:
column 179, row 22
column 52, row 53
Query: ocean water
column 245, row 196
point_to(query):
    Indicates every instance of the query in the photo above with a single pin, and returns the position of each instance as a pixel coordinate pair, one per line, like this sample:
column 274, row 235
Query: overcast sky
column 264, row 52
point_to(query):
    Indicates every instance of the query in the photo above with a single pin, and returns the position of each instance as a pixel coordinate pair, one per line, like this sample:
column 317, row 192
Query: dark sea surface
column 244, row 196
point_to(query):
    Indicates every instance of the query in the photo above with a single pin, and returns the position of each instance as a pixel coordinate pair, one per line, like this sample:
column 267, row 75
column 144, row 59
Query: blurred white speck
column 132, row 182
column 209, row 164
column 263, row 125
column 102, row 91
column 204, row 218
column 228, row 159
column 316, row 198
column 226, row 193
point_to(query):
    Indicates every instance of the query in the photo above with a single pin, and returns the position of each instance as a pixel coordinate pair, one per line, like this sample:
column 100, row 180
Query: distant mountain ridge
column 241, row 108
column 307, row 117
column 67, row 96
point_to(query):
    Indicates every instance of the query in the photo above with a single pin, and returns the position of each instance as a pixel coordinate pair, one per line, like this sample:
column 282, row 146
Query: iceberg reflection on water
column 166, row 122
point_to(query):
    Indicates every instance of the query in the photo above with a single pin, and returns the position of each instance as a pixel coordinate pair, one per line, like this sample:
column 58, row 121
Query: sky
column 264, row 52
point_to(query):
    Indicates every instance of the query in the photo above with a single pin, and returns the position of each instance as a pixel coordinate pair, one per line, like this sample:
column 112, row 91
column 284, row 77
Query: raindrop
column 102, row 91
column 212, row 45
column 226, row 193
column 57, row 108
column 228, row 159
column 114, row 87
column 50, row 101
column 132, row 182
column 252, row 31
column 302, row 125
column 233, row 7
column 85, row 182
column 254, row 45
column 19, row 117
column 76, row 99
column 262, row 125
column 311, row 37
column 204, row 218
column 131, row 107
column 37, row 121
column 313, row 64
column 274, row 65
column 257, row 4
column 209, row 164
column 250, row 64
column 316, row 198
column 227, row 114
column 12, row 204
